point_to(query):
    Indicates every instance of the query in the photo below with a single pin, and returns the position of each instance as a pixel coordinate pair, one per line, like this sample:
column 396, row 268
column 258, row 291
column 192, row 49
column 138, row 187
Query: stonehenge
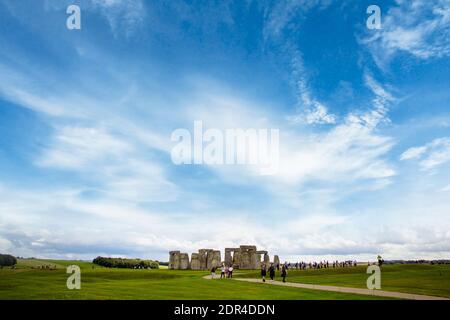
column 276, row 260
column 184, row 261
column 174, row 260
column 244, row 257
column 195, row 261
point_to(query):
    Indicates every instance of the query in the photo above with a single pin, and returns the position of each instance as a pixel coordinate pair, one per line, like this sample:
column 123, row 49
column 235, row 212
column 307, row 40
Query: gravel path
column 380, row 293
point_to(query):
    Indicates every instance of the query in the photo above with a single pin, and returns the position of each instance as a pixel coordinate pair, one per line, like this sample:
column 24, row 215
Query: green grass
column 27, row 282
column 419, row 279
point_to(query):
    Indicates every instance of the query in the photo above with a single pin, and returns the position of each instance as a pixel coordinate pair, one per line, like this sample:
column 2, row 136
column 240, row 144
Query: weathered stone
column 228, row 257
column 237, row 259
column 202, row 258
column 209, row 258
column 195, row 261
column 258, row 260
column 216, row 259
column 276, row 260
column 184, row 261
column 244, row 257
column 248, row 257
column 174, row 260
column 266, row 259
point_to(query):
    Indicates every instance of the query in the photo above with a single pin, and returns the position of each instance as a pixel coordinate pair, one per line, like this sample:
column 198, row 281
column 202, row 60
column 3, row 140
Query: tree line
column 126, row 263
column 7, row 260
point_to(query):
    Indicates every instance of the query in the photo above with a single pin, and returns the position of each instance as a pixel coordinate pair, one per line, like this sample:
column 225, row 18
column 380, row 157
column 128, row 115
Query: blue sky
column 86, row 118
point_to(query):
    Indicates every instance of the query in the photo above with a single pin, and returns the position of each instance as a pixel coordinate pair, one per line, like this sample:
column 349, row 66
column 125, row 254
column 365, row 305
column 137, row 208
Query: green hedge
column 7, row 260
column 126, row 263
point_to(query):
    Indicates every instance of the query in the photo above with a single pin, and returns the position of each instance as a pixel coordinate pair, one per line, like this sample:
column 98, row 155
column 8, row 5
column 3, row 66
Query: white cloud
column 114, row 163
column 420, row 28
column 310, row 111
column 77, row 147
column 91, row 228
column 347, row 152
column 280, row 16
column 5, row 245
column 124, row 16
column 432, row 155
column 413, row 153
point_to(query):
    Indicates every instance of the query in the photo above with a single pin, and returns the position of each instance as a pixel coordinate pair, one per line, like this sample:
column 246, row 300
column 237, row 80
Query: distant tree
column 125, row 263
column 7, row 260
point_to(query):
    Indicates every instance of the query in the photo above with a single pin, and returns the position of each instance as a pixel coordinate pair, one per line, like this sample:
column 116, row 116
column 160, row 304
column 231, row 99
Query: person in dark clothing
column 380, row 261
column 283, row 272
column 271, row 271
column 263, row 272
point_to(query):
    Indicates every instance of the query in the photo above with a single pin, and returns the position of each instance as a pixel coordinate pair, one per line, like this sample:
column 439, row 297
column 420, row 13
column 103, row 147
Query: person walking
column 271, row 271
column 222, row 271
column 230, row 272
column 263, row 272
column 284, row 272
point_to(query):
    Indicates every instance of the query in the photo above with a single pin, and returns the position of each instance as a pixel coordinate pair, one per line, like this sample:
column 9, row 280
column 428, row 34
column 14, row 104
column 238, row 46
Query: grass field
column 420, row 279
column 27, row 282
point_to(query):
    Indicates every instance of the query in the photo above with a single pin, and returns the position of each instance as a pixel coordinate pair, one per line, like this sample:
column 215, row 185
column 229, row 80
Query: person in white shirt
column 230, row 272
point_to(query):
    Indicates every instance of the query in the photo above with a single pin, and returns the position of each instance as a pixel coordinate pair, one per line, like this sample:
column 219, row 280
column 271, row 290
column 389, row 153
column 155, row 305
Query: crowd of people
column 322, row 264
column 227, row 271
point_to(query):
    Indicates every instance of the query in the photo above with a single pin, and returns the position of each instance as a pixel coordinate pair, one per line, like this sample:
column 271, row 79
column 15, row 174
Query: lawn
column 421, row 279
column 28, row 282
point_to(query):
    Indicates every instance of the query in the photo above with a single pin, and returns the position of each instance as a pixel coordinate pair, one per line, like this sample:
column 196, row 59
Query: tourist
column 230, row 272
column 271, row 271
column 263, row 272
column 222, row 273
column 380, row 261
column 213, row 272
column 227, row 271
column 283, row 272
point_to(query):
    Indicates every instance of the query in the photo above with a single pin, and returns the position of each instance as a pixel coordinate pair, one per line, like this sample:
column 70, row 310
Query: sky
column 86, row 118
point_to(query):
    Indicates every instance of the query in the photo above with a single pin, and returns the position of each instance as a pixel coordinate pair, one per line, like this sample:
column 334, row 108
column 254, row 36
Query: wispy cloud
column 420, row 28
column 431, row 155
column 124, row 16
column 99, row 179
column 310, row 111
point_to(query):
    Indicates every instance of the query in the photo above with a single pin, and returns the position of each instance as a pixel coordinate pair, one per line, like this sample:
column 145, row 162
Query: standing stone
column 245, row 259
column 216, row 260
column 202, row 258
column 266, row 259
column 276, row 260
column 209, row 258
column 260, row 253
column 248, row 257
column 258, row 261
column 184, row 261
column 237, row 258
column 228, row 257
column 174, row 260
column 195, row 261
